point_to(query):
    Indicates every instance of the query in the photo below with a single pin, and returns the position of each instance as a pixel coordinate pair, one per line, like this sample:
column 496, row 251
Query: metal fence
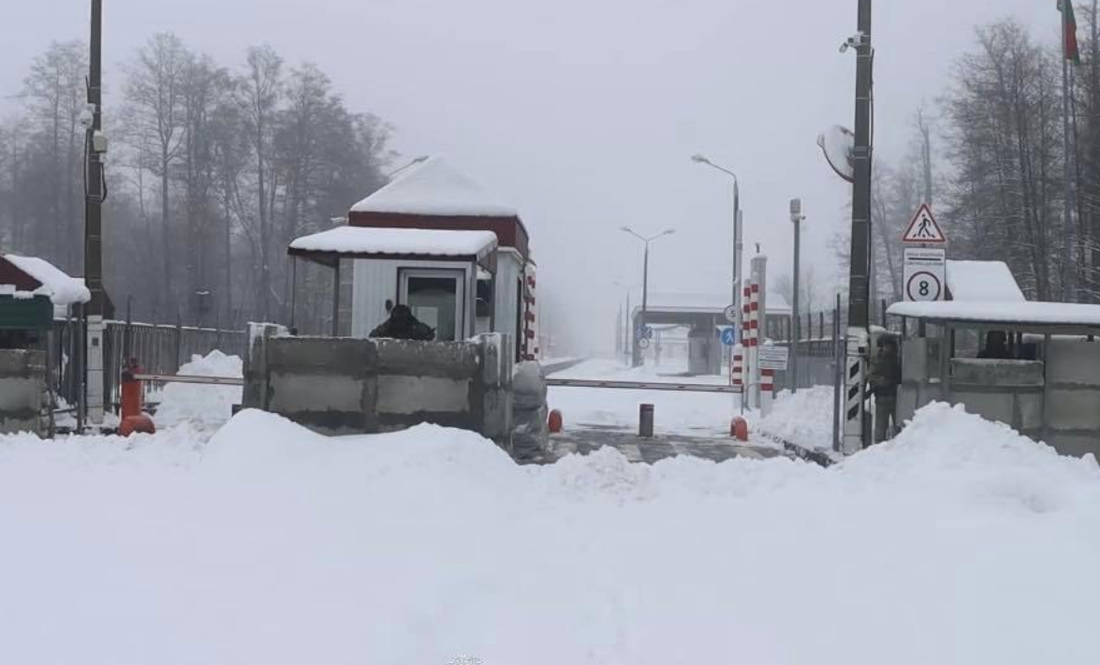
column 158, row 349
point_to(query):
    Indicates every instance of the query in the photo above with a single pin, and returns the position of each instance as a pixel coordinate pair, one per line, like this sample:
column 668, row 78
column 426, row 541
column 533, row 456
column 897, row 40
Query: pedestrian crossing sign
column 924, row 229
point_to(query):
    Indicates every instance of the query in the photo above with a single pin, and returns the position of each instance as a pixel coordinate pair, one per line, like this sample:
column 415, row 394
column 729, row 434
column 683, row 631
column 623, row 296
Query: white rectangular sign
column 925, row 274
column 772, row 357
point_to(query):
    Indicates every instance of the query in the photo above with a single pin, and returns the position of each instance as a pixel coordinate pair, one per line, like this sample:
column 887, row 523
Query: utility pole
column 796, row 312
column 856, row 435
column 1069, row 273
column 94, row 194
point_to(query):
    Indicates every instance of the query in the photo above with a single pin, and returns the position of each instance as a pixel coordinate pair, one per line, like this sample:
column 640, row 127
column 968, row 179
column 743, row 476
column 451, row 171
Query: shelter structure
column 434, row 240
column 1032, row 365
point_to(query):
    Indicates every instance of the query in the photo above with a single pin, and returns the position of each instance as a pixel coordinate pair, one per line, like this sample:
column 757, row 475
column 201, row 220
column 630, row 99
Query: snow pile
column 804, row 418
column 204, row 406
column 960, row 542
column 982, row 281
column 434, row 187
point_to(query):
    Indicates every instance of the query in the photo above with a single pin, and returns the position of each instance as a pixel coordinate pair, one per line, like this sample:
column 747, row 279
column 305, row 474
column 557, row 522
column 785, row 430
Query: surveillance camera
column 87, row 116
column 855, row 41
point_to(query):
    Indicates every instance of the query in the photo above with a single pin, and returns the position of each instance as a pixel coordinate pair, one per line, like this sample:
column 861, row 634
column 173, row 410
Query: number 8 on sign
column 923, row 286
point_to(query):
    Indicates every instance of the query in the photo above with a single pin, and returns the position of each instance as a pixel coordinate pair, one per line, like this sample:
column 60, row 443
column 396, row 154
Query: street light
column 796, row 218
column 624, row 333
column 636, row 354
column 737, row 243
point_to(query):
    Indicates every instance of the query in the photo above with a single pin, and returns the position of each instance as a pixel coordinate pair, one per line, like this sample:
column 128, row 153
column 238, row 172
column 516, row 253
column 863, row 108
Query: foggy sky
column 584, row 113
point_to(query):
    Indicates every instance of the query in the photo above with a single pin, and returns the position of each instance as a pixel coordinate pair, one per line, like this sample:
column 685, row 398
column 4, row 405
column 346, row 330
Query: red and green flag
column 1070, row 50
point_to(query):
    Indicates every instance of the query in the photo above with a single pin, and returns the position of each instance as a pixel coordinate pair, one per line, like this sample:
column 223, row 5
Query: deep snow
column 959, row 542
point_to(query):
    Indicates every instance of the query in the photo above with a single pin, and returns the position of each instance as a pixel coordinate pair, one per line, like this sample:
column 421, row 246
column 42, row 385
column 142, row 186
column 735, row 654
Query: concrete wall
column 350, row 386
column 1056, row 400
column 1072, row 413
column 24, row 397
column 1009, row 391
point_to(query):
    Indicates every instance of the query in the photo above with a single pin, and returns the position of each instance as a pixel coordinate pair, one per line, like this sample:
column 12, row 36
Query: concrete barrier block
column 1073, row 362
column 991, row 406
column 982, row 372
column 407, row 395
column 314, row 392
column 1030, row 408
column 1075, row 444
column 321, row 355
column 1073, row 409
column 20, row 394
column 443, row 359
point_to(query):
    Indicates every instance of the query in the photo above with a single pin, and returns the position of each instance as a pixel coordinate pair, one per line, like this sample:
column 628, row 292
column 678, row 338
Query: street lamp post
column 637, row 355
column 796, row 219
column 737, row 238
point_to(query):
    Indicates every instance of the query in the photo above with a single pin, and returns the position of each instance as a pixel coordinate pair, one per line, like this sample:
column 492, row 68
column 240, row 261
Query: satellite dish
column 838, row 143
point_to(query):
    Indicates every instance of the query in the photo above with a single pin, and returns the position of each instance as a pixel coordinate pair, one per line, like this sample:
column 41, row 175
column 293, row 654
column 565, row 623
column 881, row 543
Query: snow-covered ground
column 674, row 412
column 959, row 542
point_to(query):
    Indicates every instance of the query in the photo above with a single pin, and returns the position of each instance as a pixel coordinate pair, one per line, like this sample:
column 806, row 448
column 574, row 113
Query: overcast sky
column 584, row 113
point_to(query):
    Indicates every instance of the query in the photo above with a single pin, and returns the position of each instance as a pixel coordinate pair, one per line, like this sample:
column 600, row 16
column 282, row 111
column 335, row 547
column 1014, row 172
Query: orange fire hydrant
column 133, row 420
column 555, row 423
column 739, row 428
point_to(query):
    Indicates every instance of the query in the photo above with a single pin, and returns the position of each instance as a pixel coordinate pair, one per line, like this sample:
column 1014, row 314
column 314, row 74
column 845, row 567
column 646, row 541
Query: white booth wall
column 374, row 281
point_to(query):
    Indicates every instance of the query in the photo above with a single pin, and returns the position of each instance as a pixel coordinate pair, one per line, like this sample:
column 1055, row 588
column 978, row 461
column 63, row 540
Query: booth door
column 437, row 298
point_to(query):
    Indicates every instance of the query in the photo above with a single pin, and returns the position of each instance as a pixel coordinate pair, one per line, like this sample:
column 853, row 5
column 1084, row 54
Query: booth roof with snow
column 1032, row 365
column 435, row 240
column 27, row 278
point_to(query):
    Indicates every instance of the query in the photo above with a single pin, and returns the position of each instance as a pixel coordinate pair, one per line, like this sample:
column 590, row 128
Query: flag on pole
column 1070, row 50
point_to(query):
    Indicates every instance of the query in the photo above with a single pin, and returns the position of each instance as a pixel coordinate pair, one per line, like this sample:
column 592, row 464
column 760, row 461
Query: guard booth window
column 435, row 298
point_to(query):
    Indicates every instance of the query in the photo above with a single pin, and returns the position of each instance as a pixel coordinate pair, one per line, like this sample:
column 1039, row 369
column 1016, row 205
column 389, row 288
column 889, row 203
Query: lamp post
column 796, row 219
column 637, row 355
column 737, row 241
column 625, row 331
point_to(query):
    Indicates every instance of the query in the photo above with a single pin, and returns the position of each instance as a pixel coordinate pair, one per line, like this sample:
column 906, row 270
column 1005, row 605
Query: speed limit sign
column 924, row 274
column 923, row 286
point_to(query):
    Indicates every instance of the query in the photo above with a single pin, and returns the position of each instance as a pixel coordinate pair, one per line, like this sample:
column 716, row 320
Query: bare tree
column 154, row 95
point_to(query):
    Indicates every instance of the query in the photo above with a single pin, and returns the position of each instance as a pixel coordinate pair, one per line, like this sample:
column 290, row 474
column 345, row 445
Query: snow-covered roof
column 393, row 242
column 706, row 303
column 62, row 289
column 982, row 281
column 1019, row 313
column 434, row 187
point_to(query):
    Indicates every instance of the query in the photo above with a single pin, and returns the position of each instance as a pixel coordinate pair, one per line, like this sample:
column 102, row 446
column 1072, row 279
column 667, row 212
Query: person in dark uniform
column 403, row 325
column 884, row 378
column 996, row 346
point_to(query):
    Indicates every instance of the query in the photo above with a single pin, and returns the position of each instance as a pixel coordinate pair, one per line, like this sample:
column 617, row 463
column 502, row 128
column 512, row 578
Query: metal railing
column 160, row 349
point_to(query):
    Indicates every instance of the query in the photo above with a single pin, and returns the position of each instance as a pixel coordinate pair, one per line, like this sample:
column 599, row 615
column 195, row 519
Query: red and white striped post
column 767, row 390
column 754, row 342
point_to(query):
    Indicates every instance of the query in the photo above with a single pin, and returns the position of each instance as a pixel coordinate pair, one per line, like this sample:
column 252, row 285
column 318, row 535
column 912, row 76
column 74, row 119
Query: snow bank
column 804, row 418
column 960, row 542
column 204, row 406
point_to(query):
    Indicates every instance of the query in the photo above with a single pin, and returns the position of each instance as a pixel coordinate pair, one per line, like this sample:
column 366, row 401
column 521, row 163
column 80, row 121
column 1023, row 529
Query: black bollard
column 645, row 421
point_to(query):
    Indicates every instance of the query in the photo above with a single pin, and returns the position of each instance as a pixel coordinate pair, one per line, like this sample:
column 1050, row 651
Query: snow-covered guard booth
column 33, row 292
column 432, row 196
column 432, row 240
column 1044, row 381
